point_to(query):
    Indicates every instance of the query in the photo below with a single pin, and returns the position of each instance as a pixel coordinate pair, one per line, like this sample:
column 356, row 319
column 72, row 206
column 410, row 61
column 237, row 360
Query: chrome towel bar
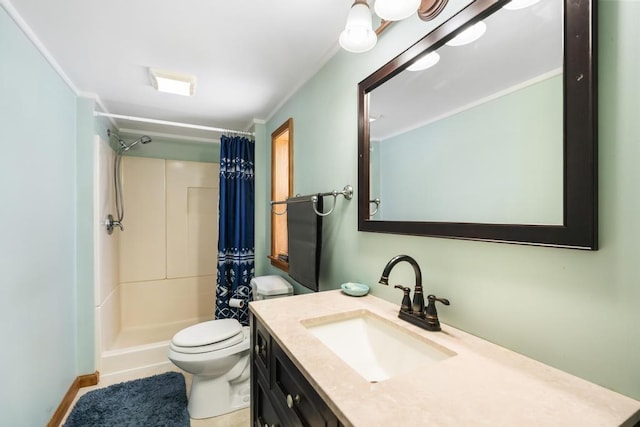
column 347, row 192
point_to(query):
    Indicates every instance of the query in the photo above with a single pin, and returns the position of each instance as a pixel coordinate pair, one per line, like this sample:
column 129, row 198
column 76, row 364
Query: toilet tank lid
column 271, row 285
column 206, row 333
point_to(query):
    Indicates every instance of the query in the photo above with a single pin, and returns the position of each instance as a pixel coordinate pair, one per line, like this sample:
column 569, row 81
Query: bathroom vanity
column 310, row 367
column 280, row 393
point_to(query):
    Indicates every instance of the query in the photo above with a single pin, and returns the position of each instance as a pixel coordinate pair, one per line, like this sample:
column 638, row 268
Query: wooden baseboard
column 67, row 400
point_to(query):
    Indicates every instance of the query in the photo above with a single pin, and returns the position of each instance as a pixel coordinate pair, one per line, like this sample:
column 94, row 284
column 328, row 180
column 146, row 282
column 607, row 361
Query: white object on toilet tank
column 266, row 287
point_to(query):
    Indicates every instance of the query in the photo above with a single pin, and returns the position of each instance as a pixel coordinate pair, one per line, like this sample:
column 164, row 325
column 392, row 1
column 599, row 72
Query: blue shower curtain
column 236, row 228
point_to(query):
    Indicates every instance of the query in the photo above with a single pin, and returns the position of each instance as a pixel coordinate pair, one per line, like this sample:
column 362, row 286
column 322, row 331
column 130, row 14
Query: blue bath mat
column 160, row 400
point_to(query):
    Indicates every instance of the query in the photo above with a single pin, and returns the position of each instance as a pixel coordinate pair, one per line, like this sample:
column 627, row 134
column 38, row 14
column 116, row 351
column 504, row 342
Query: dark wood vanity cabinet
column 280, row 395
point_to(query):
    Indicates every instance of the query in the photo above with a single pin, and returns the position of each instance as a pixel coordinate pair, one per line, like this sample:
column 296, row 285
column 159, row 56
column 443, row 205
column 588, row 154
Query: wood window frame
column 278, row 168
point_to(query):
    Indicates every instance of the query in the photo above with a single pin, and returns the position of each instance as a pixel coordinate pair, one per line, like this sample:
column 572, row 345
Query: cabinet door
column 261, row 348
column 263, row 411
column 291, row 391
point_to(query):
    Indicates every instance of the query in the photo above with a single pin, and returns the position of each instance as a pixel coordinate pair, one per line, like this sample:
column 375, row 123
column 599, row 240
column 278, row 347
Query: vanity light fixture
column 519, row 4
column 170, row 82
column 469, row 35
column 395, row 10
column 427, row 61
column 358, row 35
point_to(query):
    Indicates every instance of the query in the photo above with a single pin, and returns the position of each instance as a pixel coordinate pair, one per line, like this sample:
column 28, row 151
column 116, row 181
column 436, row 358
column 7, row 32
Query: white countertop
column 482, row 385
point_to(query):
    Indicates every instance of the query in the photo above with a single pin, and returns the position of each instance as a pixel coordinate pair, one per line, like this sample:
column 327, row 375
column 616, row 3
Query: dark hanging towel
column 304, row 229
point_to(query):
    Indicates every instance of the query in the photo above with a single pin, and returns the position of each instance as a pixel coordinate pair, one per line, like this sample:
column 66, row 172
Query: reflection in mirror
column 491, row 139
column 508, row 169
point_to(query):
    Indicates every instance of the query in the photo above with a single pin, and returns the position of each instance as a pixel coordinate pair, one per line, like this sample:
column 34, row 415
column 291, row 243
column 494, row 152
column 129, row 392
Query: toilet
column 216, row 353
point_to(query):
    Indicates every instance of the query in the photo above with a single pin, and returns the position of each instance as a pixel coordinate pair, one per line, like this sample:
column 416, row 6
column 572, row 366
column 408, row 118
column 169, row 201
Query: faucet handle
column 431, row 314
column 432, row 298
column 406, row 299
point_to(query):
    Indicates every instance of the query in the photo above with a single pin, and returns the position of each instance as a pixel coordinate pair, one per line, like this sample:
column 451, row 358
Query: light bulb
column 395, row 10
column 358, row 35
column 427, row 61
column 469, row 35
column 519, row 4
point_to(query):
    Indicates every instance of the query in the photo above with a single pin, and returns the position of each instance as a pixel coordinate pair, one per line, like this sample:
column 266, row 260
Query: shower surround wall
column 158, row 276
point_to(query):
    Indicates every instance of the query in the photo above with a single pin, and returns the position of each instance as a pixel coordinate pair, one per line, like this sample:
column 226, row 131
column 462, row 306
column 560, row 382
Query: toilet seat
column 208, row 336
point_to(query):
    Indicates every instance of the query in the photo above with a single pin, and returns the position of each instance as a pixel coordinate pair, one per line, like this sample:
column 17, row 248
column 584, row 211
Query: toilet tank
column 266, row 287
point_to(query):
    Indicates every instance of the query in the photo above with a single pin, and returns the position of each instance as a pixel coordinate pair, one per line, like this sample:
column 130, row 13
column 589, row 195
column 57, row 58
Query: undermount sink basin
column 374, row 347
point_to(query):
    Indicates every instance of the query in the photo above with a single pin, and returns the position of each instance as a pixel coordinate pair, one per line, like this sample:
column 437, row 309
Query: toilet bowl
column 217, row 354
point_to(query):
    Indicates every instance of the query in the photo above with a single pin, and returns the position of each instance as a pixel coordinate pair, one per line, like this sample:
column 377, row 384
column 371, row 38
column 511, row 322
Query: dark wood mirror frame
column 580, row 228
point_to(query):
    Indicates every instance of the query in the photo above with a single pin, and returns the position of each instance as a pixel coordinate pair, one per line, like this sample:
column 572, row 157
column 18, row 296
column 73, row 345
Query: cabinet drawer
column 291, row 391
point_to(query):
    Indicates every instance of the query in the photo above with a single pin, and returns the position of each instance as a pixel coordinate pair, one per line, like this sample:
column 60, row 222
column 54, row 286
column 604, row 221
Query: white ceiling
column 248, row 55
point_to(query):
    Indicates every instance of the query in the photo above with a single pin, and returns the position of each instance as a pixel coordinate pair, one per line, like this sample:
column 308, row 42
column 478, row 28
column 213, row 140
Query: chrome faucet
column 414, row 312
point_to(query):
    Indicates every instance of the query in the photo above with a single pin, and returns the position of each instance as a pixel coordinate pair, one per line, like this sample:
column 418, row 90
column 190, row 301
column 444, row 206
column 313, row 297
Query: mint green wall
column 38, row 246
column 517, row 135
column 262, row 174
column 175, row 149
column 575, row 310
column 161, row 147
column 100, row 126
column 84, row 213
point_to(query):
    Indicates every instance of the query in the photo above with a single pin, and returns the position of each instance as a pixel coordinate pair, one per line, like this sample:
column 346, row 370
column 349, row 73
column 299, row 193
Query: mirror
column 496, row 141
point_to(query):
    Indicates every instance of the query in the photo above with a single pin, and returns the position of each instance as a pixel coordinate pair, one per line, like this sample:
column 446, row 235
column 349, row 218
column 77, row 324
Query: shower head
column 144, row 139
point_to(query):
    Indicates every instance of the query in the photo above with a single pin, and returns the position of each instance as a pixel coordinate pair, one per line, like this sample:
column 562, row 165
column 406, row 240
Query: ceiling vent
column 170, row 82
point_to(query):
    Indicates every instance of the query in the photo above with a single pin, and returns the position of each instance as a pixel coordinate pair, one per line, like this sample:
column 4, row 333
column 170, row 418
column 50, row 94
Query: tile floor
column 234, row 419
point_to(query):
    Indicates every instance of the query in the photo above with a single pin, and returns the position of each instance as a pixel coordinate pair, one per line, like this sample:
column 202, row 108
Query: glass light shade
column 469, row 35
column 519, row 4
column 427, row 61
column 358, row 35
column 395, row 10
column 174, row 86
